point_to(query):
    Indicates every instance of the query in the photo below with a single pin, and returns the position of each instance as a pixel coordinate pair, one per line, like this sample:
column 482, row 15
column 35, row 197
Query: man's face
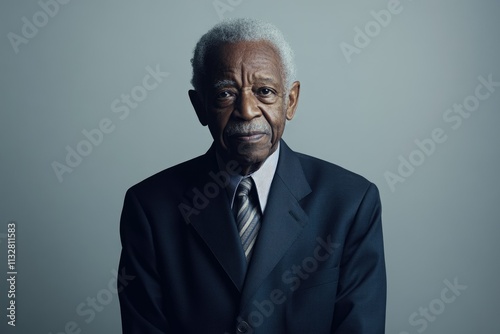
column 245, row 103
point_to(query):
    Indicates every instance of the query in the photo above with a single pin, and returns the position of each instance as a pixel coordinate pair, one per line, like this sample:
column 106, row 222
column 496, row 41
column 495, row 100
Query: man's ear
column 199, row 106
column 293, row 100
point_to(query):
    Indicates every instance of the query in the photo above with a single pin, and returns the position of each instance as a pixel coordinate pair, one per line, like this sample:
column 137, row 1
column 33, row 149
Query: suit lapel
column 214, row 223
column 282, row 223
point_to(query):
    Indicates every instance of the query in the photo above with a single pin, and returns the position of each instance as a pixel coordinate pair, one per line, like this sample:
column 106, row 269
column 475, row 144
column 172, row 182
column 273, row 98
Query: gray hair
column 238, row 30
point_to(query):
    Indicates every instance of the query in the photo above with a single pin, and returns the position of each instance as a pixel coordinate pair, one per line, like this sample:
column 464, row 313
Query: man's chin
column 248, row 156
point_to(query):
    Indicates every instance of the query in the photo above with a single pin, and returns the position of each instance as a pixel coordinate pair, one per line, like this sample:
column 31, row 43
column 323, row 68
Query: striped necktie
column 247, row 215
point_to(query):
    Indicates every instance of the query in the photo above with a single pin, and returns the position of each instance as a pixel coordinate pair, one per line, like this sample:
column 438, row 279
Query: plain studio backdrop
column 405, row 93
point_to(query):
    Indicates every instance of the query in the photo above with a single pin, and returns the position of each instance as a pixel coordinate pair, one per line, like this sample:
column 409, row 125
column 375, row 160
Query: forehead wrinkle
column 262, row 75
column 265, row 79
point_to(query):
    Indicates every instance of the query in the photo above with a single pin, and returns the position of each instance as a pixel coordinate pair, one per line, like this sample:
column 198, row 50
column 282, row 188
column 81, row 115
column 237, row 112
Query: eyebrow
column 232, row 83
column 224, row 83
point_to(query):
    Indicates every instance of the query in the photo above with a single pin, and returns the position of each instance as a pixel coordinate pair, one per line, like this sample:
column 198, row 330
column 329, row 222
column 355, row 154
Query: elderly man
column 251, row 237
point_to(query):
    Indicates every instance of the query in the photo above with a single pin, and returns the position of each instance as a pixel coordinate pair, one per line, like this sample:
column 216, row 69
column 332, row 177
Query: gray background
column 440, row 224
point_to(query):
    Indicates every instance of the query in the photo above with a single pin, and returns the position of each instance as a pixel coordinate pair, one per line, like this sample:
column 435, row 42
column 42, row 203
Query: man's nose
column 247, row 106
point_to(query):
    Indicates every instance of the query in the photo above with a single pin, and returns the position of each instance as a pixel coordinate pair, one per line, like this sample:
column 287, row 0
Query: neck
column 249, row 169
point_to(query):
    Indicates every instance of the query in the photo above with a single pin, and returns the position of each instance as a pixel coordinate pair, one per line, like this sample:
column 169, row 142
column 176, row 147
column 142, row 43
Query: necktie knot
column 245, row 187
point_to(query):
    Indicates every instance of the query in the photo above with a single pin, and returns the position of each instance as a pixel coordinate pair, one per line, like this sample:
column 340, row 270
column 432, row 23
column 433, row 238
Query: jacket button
column 243, row 327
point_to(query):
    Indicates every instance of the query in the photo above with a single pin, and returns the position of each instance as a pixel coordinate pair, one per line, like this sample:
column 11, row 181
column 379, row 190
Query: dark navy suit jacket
column 317, row 266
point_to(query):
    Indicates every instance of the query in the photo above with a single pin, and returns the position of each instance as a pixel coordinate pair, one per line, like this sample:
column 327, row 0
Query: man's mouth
column 247, row 137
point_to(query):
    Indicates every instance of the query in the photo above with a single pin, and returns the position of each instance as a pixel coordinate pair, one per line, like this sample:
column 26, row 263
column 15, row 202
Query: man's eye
column 265, row 91
column 224, row 94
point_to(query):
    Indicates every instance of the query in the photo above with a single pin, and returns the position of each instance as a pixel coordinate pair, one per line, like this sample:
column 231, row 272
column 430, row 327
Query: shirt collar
column 262, row 178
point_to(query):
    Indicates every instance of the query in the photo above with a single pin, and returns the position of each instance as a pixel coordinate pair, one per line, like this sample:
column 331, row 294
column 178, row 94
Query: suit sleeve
column 361, row 296
column 141, row 302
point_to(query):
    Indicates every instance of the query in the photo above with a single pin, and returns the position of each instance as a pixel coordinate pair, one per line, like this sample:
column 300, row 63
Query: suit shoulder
column 172, row 177
column 319, row 171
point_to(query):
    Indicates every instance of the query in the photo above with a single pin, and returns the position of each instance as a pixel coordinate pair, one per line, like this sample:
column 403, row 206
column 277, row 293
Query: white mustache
column 245, row 128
